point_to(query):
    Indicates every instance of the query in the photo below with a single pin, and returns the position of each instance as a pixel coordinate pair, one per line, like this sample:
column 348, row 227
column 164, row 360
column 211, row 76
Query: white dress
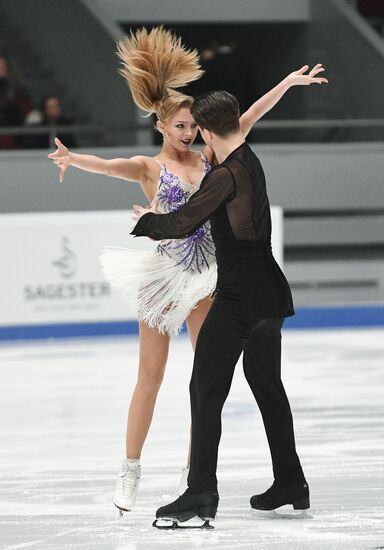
column 166, row 284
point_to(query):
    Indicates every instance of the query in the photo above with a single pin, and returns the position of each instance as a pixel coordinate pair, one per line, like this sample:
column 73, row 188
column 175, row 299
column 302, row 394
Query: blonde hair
column 155, row 63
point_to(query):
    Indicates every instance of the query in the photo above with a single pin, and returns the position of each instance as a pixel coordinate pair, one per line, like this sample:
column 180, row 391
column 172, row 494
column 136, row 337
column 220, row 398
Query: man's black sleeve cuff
column 140, row 229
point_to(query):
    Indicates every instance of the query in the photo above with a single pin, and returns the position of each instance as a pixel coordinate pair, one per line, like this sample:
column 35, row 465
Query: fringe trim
column 163, row 294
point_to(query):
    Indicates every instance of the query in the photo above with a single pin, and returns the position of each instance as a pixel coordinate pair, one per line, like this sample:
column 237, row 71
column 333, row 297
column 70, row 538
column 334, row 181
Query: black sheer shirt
column 233, row 197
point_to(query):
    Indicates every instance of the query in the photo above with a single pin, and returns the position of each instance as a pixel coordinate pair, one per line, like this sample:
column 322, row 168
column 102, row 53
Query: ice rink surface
column 62, row 423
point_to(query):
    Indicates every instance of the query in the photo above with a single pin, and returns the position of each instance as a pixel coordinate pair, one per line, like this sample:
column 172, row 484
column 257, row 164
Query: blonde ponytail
column 155, row 64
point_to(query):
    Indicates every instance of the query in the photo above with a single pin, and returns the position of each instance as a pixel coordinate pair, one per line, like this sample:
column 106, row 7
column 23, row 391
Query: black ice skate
column 189, row 511
column 277, row 496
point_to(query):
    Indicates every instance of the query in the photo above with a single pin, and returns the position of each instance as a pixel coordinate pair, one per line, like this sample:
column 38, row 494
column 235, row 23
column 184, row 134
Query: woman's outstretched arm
column 269, row 100
column 132, row 169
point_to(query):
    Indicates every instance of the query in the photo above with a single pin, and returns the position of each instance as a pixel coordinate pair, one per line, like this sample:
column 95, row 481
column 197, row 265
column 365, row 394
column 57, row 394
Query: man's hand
column 139, row 211
column 298, row 78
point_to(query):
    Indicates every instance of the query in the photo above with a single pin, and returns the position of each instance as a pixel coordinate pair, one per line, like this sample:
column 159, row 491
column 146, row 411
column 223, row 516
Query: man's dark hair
column 217, row 111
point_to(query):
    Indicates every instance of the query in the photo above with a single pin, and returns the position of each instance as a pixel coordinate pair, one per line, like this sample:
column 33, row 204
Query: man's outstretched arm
column 216, row 188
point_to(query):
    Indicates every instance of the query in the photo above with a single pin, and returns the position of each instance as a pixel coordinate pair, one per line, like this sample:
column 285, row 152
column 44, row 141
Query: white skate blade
column 284, row 512
column 193, row 523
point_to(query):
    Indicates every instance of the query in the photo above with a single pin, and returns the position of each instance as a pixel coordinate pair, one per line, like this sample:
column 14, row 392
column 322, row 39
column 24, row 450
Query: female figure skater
column 174, row 282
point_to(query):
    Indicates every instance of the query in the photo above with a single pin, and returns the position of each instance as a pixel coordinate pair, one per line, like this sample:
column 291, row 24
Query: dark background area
column 261, row 56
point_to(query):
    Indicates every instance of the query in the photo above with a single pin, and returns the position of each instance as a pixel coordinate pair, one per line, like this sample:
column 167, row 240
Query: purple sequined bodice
column 196, row 252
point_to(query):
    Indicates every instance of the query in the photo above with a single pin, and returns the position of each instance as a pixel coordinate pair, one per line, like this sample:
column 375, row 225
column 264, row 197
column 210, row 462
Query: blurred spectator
column 51, row 114
column 14, row 104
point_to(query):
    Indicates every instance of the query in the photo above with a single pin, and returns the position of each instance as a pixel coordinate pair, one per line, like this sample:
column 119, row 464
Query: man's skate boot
column 276, row 496
column 189, row 511
column 127, row 485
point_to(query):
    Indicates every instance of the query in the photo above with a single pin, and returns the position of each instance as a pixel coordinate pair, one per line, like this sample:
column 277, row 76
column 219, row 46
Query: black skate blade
column 284, row 512
column 172, row 523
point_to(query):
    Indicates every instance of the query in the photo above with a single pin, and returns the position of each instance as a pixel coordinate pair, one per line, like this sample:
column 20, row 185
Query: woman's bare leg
column 196, row 318
column 194, row 321
column 152, row 361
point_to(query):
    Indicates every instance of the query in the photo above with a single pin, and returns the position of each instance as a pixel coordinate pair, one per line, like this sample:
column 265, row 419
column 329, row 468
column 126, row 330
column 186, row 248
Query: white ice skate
column 183, row 483
column 127, row 486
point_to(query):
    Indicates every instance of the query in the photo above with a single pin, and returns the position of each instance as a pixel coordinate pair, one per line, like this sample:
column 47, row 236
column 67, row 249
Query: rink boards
column 52, row 284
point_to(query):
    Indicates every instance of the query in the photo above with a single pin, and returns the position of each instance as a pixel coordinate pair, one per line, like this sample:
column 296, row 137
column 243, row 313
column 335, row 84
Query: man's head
column 217, row 114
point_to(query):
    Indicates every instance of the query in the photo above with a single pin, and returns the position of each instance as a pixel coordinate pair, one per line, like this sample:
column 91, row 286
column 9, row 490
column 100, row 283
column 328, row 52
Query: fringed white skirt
column 163, row 293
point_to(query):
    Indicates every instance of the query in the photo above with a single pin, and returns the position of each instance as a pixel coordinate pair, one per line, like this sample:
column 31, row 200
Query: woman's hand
column 265, row 103
column 61, row 158
column 139, row 211
column 298, row 78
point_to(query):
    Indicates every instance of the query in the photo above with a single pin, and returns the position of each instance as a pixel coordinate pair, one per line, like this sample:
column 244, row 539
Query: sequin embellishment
column 196, row 252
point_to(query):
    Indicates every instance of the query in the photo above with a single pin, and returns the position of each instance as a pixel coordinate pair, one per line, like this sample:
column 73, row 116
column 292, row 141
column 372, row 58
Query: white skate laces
column 127, row 485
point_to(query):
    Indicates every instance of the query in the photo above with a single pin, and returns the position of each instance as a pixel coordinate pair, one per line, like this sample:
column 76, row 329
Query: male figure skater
column 252, row 299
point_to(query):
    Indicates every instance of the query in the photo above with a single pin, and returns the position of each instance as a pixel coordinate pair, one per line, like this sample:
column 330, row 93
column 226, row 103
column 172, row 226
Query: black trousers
column 224, row 335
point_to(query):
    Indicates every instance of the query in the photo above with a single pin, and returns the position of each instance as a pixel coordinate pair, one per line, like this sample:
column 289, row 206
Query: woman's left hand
column 139, row 211
column 298, row 78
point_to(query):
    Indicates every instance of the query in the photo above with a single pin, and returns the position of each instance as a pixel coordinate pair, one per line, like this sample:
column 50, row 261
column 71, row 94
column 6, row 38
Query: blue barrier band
column 305, row 318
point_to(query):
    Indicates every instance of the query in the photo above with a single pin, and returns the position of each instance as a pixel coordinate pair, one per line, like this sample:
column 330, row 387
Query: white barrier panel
column 277, row 236
column 50, row 266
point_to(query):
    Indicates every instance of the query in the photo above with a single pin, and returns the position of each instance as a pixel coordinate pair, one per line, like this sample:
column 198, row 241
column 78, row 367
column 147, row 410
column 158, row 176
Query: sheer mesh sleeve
column 216, row 188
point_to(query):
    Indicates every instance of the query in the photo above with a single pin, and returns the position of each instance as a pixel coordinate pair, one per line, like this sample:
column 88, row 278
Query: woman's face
column 179, row 130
